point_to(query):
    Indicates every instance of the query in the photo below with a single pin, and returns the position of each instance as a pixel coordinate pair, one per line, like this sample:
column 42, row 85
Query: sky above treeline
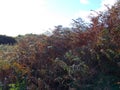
column 19, row 17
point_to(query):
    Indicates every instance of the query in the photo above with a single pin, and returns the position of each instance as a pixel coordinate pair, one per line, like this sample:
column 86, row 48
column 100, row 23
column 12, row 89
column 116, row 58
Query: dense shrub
column 84, row 57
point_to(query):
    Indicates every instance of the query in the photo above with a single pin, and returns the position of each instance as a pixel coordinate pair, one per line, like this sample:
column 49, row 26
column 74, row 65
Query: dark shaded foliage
column 7, row 40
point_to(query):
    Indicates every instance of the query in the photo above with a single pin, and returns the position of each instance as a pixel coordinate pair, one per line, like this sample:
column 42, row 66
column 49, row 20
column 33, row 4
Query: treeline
column 83, row 57
column 7, row 40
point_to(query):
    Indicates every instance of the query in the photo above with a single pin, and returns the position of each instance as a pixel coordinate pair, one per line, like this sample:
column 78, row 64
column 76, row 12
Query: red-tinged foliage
column 83, row 39
column 107, row 24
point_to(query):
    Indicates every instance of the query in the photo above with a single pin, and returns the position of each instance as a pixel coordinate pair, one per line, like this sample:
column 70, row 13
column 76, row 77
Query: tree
column 7, row 40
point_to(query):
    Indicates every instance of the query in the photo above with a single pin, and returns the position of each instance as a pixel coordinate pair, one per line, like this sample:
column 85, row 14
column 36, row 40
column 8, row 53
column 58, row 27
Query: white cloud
column 109, row 3
column 84, row 1
column 83, row 14
column 86, row 14
column 27, row 16
column 20, row 16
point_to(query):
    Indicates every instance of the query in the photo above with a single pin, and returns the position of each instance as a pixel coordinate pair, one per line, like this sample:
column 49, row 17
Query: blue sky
column 72, row 6
column 37, row 16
